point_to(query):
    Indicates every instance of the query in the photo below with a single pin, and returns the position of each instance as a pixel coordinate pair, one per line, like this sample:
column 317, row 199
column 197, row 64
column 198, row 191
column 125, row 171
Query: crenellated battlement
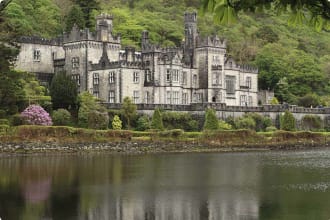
column 43, row 41
column 211, row 41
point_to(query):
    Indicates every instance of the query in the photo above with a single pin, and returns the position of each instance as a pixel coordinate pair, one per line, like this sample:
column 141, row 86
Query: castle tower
column 104, row 27
column 190, row 28
column 145, row 39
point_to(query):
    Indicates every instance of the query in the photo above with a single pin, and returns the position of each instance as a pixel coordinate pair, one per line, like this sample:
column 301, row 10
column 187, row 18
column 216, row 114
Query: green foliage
column 271, row 129
column 63, row 91
column 287, row 121
column 211, row 120
column 17, row 120
column 309, row 100
column 224, row 126
column 261, row 122
column 157, row 120
column 33, row 17
column 143, row 123
column 75, row 17
column 311, row 123
column 87, row 7
column 98, row 119
column 274, row 101
column 2, row 113
column 4, row 129
column 129, row 110
column 61, row 117
column 91, row 114
column 245, row 123
column 4, row 122
column 116, row 123
column 174, row 133
column 178, row 120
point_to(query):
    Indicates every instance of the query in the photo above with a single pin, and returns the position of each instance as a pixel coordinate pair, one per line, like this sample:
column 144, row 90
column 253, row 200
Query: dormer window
column 36, row 55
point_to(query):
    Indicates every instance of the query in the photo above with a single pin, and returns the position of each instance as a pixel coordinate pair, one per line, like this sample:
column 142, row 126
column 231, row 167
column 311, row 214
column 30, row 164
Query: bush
column 157, row 120
column 311, row 123
column 174, row 133
column 116, row 123
column 17, row 120
column 98, row 120
column 177, row 120
column 211, row 120
column 224, row 126
column 143, row 123
column 36, row 115
column 4, row 122
column 261, row 122
column 309, row 100
column 287, row 121
column 3, row 129
column 271, row 128
column 61, row 117
column 245, row 123
column 2, row 113
column 274, row 101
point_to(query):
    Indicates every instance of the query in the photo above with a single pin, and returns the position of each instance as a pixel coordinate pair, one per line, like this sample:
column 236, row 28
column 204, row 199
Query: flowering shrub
column 36, row 115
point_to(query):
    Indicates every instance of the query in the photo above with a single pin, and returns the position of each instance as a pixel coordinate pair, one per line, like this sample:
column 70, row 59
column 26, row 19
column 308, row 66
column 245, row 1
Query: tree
column 129, row 110
column 87, row 7
column 91, row 114
column 211, row 120
column 63, row 91
column 157, row 120
column 61, row 117
column 287, row 121
column 116, row 123
column 74, row 17
column 225, row 11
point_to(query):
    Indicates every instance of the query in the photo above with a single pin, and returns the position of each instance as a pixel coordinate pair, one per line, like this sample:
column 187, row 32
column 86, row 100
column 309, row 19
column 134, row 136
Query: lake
column 188, row 186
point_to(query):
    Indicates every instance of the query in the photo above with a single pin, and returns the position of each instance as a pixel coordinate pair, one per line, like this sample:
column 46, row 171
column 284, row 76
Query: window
column 136, row 77
column 75, row 62
column 96, row 93
column 216, row 78
column 195, row 80
column 168, row 97
column 198, row 97
column 76, row 78
column 36, row 55
column 96, row 79
column 176, row 99
column 175, row 76
column 136, row 97
column 243, row 100
column 112, row 77
column 111, row 98
column 185, row 98
column 148, row 75
column 248, row 82
column 230, row 84
column 168, row 75
column 147, row 97
column 250, row 103
column 184, row 78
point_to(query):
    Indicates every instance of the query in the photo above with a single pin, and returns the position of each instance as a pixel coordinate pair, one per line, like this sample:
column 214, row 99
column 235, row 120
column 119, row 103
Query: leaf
column 224, row 14
column 297, row 18
column 317, row 22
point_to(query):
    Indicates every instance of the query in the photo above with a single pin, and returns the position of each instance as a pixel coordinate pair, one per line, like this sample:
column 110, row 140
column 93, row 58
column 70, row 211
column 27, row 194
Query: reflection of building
column 198, row 72
column 221, row 189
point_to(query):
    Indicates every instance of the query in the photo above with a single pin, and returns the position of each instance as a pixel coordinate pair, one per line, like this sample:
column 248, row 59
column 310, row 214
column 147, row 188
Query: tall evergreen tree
column 63, row 91
column 129, row 110
column 75, row 16
column 157, row 120
column 211, row 121
column 87, row 7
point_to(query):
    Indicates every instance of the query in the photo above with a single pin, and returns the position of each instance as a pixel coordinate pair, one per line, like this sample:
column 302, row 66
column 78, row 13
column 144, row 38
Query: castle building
column 197, row 72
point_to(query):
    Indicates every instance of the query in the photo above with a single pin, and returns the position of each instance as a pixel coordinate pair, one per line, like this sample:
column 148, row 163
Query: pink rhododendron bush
column 36, row 115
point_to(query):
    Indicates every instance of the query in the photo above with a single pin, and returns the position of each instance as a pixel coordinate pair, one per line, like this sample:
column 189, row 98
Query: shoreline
column 43, row 139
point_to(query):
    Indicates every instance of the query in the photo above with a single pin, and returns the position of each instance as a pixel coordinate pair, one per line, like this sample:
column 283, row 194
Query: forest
column 293, row 60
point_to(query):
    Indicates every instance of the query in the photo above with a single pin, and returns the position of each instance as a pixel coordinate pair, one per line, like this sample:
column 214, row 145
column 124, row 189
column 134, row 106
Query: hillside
column 295, row 61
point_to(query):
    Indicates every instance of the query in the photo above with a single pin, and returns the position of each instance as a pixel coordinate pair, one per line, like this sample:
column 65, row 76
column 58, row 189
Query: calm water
column 275, row 185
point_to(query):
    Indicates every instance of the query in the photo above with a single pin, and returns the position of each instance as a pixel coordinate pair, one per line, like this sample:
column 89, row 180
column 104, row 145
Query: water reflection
column 157, row 187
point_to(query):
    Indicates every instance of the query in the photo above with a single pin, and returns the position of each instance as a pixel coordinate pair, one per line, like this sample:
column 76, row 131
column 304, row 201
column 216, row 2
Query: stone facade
column 197, row 72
